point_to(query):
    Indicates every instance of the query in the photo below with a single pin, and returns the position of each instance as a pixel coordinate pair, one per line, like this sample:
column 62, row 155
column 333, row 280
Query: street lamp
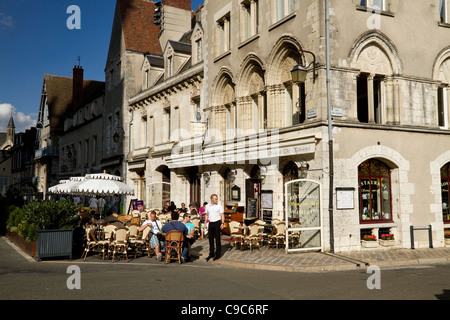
column 299, row 72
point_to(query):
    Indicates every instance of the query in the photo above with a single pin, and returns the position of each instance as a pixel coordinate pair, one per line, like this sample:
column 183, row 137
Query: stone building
column 215, row 110
column 65, row 104
column 389, row 97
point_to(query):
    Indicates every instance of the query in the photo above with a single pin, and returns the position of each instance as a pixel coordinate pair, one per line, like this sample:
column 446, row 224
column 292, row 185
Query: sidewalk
column 277, row 259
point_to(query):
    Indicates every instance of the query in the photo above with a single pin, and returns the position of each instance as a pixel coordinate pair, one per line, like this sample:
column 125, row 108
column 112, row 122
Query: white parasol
column 103, row 184
column 66, row 186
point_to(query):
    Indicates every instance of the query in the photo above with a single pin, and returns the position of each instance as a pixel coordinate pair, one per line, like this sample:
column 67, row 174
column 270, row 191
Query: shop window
column 445, row 179
column 375, row 192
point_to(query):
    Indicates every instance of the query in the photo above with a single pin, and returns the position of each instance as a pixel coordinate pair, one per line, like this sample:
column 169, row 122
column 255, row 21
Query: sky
column 35, row 40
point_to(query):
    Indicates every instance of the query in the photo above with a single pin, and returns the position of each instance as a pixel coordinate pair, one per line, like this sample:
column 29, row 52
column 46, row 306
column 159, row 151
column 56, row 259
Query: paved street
column 148, row 279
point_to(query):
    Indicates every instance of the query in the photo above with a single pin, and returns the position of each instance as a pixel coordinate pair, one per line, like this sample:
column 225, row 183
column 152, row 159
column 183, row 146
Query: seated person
column 179, row 226
column 189, row 238
column 155, row 228
column 183, row 209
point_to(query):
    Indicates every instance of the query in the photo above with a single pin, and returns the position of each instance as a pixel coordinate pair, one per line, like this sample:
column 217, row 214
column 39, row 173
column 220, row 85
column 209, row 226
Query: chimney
column 77, row 87
column 175, row 19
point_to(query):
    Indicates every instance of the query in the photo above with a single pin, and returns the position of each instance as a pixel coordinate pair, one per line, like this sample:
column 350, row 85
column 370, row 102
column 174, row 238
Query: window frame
column 445, row 179
column 377, row 177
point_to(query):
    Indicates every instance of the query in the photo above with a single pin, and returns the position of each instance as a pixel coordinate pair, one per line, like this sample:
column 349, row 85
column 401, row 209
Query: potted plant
column 369, row 241
column 447, row 238
column 387, row 240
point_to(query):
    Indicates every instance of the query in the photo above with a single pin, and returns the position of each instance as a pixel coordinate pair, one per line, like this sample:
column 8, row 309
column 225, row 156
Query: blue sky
column 35, row 40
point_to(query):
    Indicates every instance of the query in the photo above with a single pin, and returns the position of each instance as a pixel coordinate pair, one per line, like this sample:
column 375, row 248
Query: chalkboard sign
column 252, row 207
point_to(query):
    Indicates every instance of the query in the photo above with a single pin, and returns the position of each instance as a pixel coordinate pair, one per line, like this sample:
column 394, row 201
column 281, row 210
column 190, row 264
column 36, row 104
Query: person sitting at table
column 189, row 239
column 183, row 209
column 156, row 227
column 178, row 226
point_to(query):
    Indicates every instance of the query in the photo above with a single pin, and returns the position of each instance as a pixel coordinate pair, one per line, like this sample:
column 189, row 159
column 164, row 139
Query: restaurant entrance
column 303, row 215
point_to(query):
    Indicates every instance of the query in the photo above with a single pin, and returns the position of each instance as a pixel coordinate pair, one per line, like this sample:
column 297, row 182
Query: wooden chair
column 144, row 215
column 135, row 213
column 278, row 237
column 141, row 243
column 236, row 235
column 294, row 236
column 174, row 242
column 133, row 231
column 253, row 237
column 91, row 243
column 104, row 244
column 134, row 220
column 119, row 245
column 263, row 235
column 196, row 223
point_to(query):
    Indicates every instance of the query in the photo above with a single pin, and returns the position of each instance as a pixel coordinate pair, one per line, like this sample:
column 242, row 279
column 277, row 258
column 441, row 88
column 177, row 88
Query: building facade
column 390, row 112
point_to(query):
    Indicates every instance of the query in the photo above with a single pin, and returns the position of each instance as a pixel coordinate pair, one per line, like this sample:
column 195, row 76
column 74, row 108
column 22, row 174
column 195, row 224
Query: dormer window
column 169, row 66
column 198, row 50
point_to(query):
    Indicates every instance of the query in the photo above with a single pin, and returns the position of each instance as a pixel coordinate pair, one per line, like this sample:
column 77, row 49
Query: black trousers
column 214, row 236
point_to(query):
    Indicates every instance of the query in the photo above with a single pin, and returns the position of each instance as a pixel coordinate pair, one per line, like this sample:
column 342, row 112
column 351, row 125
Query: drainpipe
column 330, row 127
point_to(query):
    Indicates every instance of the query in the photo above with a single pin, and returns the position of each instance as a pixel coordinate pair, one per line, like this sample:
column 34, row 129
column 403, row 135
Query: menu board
column 252, row 207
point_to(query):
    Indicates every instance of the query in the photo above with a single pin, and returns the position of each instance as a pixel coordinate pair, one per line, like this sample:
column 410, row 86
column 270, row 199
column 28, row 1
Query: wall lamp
column 300, row 71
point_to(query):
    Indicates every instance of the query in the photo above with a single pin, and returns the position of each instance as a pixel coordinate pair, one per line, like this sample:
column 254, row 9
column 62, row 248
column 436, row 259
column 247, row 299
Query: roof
column 156, row 61
column 139, row 31
column 181, row 47
column 59, row 96
column 11, row 123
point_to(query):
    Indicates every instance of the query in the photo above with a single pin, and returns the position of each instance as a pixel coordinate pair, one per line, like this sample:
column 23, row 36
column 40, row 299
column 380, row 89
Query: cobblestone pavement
column 277, row 259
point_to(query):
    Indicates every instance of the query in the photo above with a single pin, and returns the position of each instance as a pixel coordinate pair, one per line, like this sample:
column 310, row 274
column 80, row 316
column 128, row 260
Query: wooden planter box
column 387, row 243
column 369, row 244
column 27, row 247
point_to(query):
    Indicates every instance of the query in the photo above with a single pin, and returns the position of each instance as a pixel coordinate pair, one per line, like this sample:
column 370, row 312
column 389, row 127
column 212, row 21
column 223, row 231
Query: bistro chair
column 144, row 215
column 119, row 245
column 134, row 220
column 141, row 243
column 135, row 213
column 261, row 232
column 236, row 234
column 196, row 223
column 294, row 236
column 107, row 234
column 174, row 243
column 278, row 237
column 133, row 231
column 91, row 243
column 253, row 238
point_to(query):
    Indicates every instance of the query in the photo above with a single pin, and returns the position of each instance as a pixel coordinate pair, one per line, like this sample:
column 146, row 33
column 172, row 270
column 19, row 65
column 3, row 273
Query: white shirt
column 214, row 212
column 155, row 227
column 93, row 203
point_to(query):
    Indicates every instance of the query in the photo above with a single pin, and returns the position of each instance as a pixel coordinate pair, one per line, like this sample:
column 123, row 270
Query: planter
column 54, row 243
column 369, row 244
column 27, row 247
column 387, row 243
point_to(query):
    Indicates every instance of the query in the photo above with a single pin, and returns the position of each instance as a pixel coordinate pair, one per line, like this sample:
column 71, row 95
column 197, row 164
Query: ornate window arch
column 286, row 100
column 377, row 59
column 224, row 115
column 441, row 72
column 251, row 95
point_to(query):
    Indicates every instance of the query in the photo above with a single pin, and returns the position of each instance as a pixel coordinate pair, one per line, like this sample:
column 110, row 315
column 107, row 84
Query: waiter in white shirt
column 215, row 214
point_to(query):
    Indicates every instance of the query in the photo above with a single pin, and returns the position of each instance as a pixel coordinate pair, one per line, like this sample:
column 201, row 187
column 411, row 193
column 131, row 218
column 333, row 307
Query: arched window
column 375, row 192
column 445, row 179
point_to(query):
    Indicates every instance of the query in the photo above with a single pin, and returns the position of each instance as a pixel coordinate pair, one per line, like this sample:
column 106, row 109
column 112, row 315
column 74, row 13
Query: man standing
column 215, row 214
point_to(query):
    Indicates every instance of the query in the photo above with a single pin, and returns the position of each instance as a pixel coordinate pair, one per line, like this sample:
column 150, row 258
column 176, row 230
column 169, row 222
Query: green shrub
column 43, row 215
